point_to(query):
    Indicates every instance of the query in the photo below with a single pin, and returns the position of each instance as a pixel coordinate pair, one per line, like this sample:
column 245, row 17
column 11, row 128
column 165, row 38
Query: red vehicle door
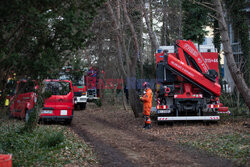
column 24, row 99
column 60, row 103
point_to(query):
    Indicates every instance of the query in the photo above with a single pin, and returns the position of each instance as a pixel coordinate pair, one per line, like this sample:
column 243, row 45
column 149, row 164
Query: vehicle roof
column 56, row 80
column 26, row 80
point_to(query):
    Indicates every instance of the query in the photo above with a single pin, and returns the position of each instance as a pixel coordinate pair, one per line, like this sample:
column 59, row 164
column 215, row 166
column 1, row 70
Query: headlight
column 47, row 111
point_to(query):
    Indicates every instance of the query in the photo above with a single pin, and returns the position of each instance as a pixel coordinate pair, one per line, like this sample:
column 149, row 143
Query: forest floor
column 119, row 140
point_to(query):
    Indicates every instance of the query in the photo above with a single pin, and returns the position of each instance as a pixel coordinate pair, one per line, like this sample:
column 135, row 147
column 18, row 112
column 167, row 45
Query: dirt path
column 119, row 140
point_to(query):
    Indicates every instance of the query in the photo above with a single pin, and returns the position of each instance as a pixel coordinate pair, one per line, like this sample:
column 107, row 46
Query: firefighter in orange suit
column 147, row 104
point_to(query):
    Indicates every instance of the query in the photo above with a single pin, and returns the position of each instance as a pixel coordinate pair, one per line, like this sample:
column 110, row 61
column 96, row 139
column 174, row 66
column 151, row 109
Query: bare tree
column 235, row 71
column 152, row 35
column 126, row 54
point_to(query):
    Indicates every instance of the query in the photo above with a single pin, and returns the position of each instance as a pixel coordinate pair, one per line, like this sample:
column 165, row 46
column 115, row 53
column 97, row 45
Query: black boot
column 148, row 126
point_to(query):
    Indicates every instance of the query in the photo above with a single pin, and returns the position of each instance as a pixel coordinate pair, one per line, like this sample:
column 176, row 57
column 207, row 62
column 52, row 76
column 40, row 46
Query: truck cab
column 59, row 106
column 91, row 83
column 24, row 98
column 79, row 87
column 80, row 93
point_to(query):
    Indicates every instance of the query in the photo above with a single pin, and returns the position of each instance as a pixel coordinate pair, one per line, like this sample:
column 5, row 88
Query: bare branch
column 118, row 36
column 132, row 29
column 150, row 31
column 216, row 18
column 205, row 5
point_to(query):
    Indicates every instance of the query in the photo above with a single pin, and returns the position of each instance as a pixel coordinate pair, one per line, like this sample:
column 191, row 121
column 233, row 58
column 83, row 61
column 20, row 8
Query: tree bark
column 235, row 71
column 141, row 44
column 131, row 61
column 150, row 30
column 118, row 36
column 132, row 29
column 132, row 91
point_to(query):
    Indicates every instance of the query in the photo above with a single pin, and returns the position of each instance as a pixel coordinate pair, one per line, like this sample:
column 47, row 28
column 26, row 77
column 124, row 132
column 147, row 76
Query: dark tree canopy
column 37, row 36
column 195, row 19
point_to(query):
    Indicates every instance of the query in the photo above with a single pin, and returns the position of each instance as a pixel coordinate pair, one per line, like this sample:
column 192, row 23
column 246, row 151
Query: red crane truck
column 187, row 85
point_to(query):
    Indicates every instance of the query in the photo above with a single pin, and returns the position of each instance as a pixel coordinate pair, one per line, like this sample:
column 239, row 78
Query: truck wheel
column 10, row 115
column 160, row 123
column 27, row 116
column 68, row 122
column 82, row 106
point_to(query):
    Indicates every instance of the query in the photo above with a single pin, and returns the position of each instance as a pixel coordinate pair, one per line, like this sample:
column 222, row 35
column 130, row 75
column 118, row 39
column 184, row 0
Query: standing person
column 147, row 104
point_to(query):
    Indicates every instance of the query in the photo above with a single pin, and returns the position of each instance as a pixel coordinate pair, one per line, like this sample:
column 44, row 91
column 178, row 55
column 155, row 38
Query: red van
column 24, row 99
column 60, row 105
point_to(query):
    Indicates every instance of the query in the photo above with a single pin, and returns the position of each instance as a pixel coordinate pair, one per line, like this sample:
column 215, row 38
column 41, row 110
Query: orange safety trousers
column 147, row 104
column 147, row 119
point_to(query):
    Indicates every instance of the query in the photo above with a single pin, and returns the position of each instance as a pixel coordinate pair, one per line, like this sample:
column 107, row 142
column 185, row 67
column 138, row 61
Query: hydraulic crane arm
column 191, row 50
column 180, row 68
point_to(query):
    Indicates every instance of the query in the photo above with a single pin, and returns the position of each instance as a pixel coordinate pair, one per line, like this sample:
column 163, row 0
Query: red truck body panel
column 59, row 104
column 187, row 84
column 194, row 75
column 23, row 100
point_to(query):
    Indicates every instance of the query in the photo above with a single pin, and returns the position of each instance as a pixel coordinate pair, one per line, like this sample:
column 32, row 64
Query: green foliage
column 230, row 100
column 98, row 102
column 45, row 146
column 37, row 37
column 195, row 19
column 239, row 18
column 234, row 146
column 217, row 38
column 52, row 139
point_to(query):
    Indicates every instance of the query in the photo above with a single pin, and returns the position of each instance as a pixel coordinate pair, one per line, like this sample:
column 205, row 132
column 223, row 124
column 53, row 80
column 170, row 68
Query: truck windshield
column 26, row 87
column 57, row 88
column 11, row 87
column 76, row 80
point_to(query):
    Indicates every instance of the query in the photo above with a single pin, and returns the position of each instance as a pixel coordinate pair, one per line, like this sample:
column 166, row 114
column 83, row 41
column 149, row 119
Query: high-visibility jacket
column 147, row 102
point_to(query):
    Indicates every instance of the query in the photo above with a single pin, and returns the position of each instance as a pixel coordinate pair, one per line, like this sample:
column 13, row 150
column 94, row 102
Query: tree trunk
column 131, row 61
column 118, row 36
column 150, row 30
column 132, row 91
column 141, row 44
column 132, row 29
column 235, row 71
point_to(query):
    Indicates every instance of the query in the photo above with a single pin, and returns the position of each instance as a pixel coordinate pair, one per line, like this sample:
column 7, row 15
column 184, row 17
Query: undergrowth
column 51, row 145
column 233, row 146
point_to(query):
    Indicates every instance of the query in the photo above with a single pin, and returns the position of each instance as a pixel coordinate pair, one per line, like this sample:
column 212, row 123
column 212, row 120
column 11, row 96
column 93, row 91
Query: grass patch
column 232, row 146
column 48, row 145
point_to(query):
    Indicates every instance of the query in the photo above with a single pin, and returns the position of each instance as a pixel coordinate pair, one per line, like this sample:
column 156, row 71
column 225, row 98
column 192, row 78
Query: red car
column 60, row 105
column 24, row 99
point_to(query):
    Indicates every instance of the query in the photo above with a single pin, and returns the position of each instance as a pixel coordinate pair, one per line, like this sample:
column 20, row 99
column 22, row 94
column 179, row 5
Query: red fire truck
column 79, row 87
column 92, row 84
column 60, row 105
column 187, row 84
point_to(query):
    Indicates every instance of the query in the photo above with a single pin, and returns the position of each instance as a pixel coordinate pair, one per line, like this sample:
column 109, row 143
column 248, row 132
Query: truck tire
column 82, row 106
column 160, row 123
column 10, row 115
column 27, row 116
column 68, row 122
